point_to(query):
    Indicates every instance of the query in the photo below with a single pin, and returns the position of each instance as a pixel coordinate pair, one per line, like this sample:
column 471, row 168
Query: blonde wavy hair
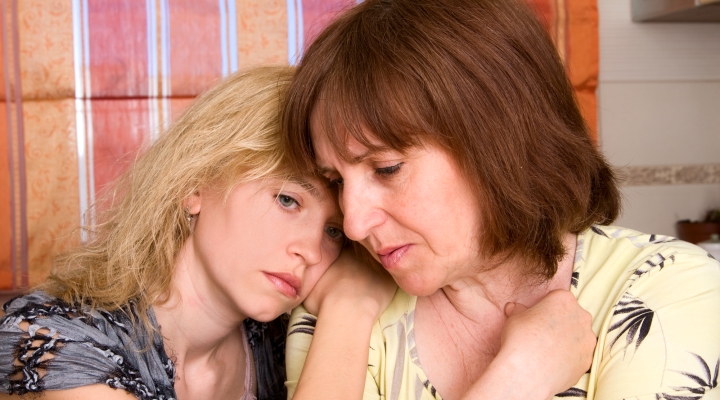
column 229, row 135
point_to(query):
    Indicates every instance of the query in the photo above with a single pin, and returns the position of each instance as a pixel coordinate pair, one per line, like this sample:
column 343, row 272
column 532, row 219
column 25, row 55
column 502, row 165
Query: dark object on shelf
column 695, row 232
column 713, row 215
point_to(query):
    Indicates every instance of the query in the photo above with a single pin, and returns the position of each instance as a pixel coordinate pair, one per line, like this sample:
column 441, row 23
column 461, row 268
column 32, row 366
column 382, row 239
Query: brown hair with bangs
column 482, row 80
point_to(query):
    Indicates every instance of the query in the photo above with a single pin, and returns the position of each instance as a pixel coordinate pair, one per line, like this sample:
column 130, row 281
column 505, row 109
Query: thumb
column 514, row 308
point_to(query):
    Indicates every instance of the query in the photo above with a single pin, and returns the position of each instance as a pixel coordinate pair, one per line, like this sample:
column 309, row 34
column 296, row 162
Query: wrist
column 362, row 306
column 509, row 377
column 362, row 310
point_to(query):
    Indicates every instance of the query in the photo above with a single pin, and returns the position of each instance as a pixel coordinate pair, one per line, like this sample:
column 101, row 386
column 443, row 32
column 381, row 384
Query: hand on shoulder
column 552, row 342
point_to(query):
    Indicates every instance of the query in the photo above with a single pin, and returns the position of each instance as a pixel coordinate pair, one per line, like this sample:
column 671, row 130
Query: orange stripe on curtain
column 5, row 215
column 583, row 60
column 6, row 276
column 3, row 38
column 573, row 25
column 46, row 49
column 15, row 145
column 45, row 32
column 262, row 32
column 52, row 176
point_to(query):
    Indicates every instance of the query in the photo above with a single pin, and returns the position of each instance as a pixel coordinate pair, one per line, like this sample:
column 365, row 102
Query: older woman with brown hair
column 466, row 169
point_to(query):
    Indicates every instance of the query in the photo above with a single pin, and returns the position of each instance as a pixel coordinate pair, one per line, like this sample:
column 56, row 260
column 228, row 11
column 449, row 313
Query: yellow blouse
column 655, row 303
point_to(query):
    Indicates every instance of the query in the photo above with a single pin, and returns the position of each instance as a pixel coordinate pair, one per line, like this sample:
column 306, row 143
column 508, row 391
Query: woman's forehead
column 352, row 146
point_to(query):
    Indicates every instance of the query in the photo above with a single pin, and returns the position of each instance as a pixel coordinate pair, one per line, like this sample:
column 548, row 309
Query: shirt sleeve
column 300, row 332
column 662, row 339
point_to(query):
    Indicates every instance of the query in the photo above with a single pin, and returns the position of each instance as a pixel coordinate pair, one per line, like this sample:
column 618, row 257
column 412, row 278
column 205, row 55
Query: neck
column 504, row 284
column 197, row 319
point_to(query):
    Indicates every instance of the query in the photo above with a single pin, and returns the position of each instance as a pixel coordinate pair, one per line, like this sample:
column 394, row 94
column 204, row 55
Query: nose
column 308, row 245
column 362, row 211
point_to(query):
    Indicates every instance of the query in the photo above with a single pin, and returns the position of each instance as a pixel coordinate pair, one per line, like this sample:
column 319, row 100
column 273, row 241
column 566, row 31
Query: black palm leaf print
column 575, row 278
column 661, row 239
column 431, row 388
column 573, row 392
column 708, row 380
column 657, row 260
column 307, row 325
column 666, row 396
column 599, row 231
column 636, row 320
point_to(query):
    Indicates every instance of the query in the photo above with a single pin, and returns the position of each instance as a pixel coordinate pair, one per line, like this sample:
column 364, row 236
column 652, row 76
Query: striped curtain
column 87, row 82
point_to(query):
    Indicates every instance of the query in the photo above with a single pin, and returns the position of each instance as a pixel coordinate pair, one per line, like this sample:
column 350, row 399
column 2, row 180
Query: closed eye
column 387, row 171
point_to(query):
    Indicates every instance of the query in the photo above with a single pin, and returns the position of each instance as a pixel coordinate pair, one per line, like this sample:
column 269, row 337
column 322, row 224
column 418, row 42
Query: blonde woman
column 182, row 292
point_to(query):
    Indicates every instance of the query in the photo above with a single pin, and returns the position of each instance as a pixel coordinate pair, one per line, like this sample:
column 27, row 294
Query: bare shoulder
column 90, row 392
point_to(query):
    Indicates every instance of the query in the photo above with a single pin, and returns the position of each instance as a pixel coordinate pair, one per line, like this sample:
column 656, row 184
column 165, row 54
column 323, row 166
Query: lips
column 390, row 257
column 286, row 284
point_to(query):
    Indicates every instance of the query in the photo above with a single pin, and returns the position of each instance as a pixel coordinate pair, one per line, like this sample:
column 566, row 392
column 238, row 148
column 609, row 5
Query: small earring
column 189, row 217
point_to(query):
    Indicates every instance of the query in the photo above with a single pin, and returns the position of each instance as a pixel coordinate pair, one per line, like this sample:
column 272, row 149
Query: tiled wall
column 659, row 116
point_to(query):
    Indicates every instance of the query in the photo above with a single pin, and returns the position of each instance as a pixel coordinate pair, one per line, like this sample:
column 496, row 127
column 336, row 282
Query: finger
column 514, row 308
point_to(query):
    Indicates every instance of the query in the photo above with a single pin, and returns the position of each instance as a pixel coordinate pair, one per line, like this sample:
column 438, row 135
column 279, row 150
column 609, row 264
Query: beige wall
column 659, row 108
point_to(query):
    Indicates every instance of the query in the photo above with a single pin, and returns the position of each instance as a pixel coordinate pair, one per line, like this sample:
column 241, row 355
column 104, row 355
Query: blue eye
column 391, row 170
column 334, row 233
column 286, row 201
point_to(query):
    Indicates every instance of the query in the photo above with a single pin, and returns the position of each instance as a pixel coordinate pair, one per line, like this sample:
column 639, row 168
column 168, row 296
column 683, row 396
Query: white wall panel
column 655, row 51
column 660, row 123
column 659, row 105
column 655, row 209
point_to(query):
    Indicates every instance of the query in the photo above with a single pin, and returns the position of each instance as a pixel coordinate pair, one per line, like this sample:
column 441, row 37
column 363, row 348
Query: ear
column 193, row 203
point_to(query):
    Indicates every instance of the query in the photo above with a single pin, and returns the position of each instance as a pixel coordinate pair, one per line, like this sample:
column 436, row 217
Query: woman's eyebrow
column 310, row 188
column 359, row 158
column 375, row 151
column 324, row 171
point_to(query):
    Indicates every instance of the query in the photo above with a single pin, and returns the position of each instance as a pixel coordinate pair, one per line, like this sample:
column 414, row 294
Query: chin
column 265, row 316
column 416, row 287
column 268, row 314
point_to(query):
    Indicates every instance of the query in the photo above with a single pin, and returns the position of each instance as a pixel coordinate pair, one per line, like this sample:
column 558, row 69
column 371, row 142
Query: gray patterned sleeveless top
column 47, row 344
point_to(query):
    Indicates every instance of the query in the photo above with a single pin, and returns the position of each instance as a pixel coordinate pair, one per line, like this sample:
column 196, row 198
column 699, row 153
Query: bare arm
column 348, row 300
column 545, row 349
